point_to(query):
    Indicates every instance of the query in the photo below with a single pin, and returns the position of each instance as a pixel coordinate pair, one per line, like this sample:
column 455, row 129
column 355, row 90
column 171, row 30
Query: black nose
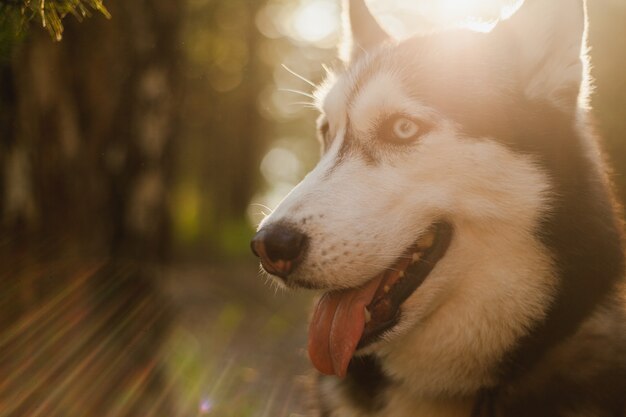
column 281, row 248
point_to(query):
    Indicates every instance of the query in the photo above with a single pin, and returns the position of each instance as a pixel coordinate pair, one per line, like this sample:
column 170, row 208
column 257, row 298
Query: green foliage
column 48, row 13
column 10, row 33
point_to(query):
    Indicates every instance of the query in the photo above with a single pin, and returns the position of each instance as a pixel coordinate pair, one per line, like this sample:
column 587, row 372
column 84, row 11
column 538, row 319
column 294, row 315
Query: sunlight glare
column 459, row 8
column 206, row 405
column 316, row 21
column 281, row 164
column 417, row 17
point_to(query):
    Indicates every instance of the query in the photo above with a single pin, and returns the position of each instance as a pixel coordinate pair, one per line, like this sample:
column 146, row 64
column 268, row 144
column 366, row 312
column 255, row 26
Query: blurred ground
column 242, row 343
column 102, row 341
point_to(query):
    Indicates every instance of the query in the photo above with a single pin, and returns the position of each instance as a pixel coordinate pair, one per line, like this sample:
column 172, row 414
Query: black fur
column 363, row 386
column 366, row 382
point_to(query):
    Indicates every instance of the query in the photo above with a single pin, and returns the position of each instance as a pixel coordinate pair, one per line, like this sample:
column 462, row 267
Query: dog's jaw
column 458, row 326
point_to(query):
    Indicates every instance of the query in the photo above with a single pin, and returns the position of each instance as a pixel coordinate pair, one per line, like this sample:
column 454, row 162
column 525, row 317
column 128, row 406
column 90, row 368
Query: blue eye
column 401, row 129
column 404, row 129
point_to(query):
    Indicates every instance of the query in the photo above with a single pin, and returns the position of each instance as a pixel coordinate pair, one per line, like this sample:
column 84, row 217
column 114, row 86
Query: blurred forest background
column 139, row 148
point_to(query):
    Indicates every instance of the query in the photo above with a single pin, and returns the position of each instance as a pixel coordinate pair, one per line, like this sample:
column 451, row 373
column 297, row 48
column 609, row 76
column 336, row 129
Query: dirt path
column 116, row 339
column 237, row 345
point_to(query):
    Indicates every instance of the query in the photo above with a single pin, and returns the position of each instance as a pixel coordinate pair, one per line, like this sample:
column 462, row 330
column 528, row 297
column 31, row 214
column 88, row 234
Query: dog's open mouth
column 346, row 320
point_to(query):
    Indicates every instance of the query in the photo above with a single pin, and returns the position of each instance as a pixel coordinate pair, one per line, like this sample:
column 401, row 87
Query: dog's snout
column 280, row 248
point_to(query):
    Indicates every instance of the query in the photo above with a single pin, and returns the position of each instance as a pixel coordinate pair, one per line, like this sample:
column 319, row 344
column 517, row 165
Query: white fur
column 382, row 95
column 490, row 287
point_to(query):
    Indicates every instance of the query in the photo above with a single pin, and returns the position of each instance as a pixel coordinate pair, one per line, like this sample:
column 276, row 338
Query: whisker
column 303, row 104
column 262, row 206
column 292, row 72
column 302, row 93
column 392, row 256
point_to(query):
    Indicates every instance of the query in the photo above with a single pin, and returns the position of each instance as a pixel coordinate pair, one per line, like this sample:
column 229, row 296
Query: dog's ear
column 361, row 30
column 548, row 39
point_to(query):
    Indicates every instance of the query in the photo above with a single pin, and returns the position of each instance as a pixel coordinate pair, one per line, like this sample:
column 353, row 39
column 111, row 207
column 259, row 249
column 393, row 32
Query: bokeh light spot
column 205, row 407
column 315, row 21
column 280, row 165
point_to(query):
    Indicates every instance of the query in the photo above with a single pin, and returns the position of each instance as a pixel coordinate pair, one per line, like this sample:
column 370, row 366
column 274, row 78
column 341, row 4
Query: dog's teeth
column 416, row 256
column 368, row 315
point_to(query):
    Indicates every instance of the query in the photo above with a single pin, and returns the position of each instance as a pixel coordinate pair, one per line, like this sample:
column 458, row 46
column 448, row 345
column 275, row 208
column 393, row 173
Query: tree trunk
column 86, row 156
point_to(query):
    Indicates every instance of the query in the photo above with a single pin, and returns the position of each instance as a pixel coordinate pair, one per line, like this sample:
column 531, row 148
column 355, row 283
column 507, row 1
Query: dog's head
column 421, row 222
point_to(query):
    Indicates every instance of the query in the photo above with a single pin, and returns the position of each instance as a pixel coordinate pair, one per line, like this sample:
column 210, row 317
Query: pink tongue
column 337, row 326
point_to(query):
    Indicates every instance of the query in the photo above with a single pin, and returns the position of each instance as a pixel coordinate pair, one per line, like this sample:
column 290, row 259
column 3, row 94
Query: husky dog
column 461, row 227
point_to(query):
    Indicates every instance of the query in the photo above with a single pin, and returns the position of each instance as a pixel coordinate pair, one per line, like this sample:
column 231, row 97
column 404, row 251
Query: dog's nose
column 280, row 248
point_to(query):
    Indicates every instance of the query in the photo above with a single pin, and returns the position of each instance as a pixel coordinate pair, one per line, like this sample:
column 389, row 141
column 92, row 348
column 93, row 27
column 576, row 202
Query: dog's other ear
column 361, row 30
column 548, row 39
